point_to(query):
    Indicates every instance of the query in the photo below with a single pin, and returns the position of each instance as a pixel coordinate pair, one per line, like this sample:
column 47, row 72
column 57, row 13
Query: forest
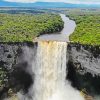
column 25, row 27
column 87, row 30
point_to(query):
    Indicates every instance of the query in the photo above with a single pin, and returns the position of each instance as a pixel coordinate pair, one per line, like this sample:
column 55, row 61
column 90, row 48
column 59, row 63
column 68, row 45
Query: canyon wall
column 13, row 65
column 83, row 67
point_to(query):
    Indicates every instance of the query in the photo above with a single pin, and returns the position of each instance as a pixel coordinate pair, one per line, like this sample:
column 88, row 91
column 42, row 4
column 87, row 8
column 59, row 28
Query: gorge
column 46, row 66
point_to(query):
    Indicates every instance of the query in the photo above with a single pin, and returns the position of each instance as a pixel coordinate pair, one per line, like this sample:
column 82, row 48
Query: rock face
column 84, row 67
column 85, row 58
column 8, row 55
column 13, row 65
column 15, row 60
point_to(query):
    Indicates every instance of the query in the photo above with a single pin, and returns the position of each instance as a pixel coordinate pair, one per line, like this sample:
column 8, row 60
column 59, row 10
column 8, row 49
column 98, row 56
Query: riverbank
column 25, row 27
column 68, row 29
column 87, row 31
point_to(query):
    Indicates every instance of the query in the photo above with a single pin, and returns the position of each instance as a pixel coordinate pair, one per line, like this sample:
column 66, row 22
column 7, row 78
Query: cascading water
column 50, row 68
column 50, row 73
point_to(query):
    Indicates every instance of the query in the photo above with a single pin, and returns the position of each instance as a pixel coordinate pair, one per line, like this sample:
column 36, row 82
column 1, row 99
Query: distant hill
column 46, row 5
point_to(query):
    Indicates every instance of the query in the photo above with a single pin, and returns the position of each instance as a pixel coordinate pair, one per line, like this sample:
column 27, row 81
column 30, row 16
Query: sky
column 65, row 1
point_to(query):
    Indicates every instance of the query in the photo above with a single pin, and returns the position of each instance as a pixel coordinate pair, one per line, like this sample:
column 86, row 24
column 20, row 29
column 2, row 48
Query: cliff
column 13, row 65
column 83, row 67
column 85, row 58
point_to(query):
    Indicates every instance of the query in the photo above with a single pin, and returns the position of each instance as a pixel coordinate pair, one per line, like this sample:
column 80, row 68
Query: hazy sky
column 66, row 1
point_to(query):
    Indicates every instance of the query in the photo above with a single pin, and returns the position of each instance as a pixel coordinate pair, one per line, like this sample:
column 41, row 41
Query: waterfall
column 49, row 68
column 50, row 71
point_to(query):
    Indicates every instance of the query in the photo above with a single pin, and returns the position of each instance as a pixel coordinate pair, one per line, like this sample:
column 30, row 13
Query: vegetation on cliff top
column 87, row 30
column 25, row 27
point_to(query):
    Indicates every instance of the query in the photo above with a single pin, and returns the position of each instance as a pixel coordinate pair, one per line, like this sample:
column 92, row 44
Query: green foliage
column 3, row 77
column 25, row 27
column 87, row 30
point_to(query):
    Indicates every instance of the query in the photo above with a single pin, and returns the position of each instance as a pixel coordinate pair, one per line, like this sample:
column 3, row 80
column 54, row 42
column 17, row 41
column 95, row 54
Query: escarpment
column 13, row 65
column 84, row 67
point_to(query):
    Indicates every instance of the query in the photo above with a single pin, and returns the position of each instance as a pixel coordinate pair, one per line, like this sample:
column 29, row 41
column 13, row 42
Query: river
column 69, row 27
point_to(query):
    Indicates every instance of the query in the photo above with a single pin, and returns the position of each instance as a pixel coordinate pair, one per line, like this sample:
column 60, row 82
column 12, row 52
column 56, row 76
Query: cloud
column 65, row 1
column 22, row 1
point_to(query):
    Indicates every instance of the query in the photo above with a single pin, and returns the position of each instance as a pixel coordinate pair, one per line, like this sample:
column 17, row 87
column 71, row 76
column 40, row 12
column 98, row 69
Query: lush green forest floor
column 25, row 27
column 87, row 30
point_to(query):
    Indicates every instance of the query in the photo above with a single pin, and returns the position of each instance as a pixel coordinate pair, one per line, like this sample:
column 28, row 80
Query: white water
column 49, row 67
column 50, row 73
column 50, row 70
